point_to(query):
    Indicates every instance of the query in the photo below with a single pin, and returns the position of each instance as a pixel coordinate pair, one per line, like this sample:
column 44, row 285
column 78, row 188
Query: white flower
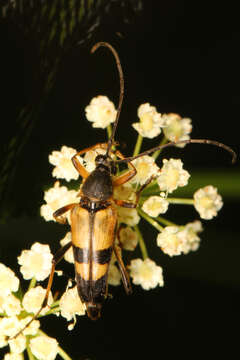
column 64, row 168
column 13, row 356
column 145, row 167
column 101, row 111
column 155, row 205
column 207, row 202
column 69, row 254
column 128, row 216
column 10, row 305
column 36, row 262
column 18, row 345
column 89, row 158
column 175, row 240
column 124, row 192
column 146, row 273
column 176, row 128
column 44, row 347
column 172, row 175
column 71, row 305
column 3, row 341
column 33, row 300
column 8, row 281
column 114, row 276
column 128, row 238
column 57, row 197
column 32, row 329
column 150, row 121
column 9, row 326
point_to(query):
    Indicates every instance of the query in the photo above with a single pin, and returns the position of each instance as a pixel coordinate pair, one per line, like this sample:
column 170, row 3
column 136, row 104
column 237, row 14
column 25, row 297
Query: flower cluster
column 167, row 177
column 17, row 331
column 157, row 182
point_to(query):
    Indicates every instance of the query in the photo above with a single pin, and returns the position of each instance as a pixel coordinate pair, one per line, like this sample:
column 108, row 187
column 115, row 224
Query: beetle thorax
column 98, row 185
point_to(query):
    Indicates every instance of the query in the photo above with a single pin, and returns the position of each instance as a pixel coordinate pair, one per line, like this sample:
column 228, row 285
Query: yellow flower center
column 172, row 177
column 142, row 170
column 174, row 131
column 146, row 121
column 206, row 202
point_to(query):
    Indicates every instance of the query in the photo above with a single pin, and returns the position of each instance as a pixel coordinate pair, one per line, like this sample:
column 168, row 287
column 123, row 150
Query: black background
column 182, row 57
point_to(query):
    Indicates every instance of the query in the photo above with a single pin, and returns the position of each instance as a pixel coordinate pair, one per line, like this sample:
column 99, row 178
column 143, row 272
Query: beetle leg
column 79, row 167
column 123, row 271
column 57, row 214
column 55, row 260
column 132, row 205
column 122, row 179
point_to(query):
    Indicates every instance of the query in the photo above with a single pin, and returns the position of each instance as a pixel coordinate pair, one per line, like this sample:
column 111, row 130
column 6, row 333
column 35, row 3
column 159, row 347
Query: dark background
column 182, row 57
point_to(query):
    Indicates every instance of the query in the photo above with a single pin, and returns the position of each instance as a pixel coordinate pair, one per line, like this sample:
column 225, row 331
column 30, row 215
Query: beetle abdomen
column 93, row 237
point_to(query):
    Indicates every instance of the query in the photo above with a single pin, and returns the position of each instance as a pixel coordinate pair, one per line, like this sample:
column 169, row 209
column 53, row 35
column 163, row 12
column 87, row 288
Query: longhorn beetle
column 94, row 218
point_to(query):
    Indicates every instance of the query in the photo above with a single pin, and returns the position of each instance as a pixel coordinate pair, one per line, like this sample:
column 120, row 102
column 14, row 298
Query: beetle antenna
column 191, row 141
column 121, row 79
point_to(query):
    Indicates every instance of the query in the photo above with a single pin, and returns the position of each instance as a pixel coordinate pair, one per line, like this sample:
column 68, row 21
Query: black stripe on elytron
column 92, row 291
column 81, row 255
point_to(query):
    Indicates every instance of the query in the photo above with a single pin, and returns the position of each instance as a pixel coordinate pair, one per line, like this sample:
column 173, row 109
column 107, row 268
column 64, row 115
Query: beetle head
column 106, row 162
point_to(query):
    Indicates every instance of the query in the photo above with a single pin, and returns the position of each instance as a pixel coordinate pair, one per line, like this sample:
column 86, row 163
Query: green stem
column 138, row 145
column 141, row 243
column 109, row 131
column 30, row 355
column 32, row 283
column 150, row 220
column 61, row 352
column 180, row 201
column 165, row 221
column 157, row 153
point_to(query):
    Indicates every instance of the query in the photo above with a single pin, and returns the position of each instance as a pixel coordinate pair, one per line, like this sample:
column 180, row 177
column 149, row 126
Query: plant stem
column 180, row 201
column 157, row 153
column 138, row 145
column 165, row 221
column 32, row 283
column 150, row 220
column 141, row 243
column 109, row 131
column 30, row 355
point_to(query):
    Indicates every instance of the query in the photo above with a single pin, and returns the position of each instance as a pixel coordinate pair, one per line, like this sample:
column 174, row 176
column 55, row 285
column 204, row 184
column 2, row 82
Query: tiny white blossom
column 64, row 168
column 89, row 158
column 10, row 305
column 33, row 300
column 155, row 205
column 32, row 329
column 207, row 202
column 145, row 167
column 175, row 240
column 146, row 273
column 36, row 262
column 57, row 197
column 13, row 356
column 3, row 341
column 18, row 345
column 44, row 347
column 150, row 121
column 9, row 326
column 128, row 216
column 176, row 128
column 172, row 175
column 114, row 276
column 8, row 281
column 71, row 305
column 101, row 111
column 128, row 238
column 124, row 192
column 69, row 254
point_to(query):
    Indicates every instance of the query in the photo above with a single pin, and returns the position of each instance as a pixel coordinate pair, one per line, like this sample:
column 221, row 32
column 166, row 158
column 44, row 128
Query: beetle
column 94, row 218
